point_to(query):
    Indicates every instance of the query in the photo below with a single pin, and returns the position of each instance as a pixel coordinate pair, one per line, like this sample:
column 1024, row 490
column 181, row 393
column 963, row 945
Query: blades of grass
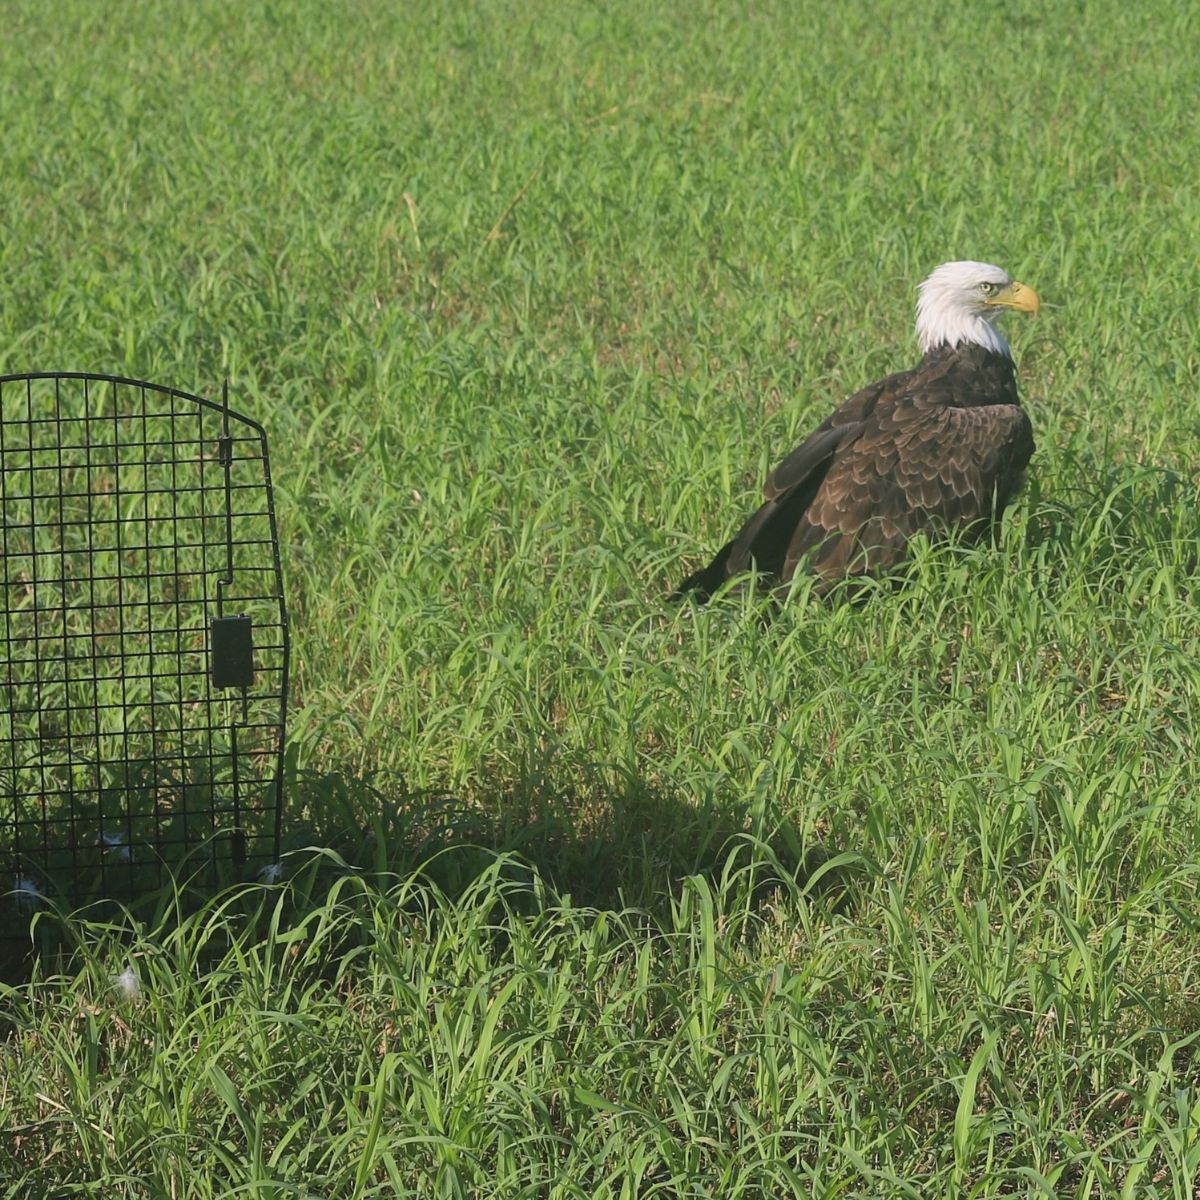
column 966, row 1126
column 366, row 1157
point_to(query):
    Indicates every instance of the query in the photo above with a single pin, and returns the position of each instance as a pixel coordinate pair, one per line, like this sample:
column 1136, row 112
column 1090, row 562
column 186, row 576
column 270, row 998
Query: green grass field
column 897, row 899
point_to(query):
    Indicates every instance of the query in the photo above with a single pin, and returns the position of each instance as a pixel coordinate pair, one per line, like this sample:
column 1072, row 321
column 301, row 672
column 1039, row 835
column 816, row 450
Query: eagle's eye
column 988, row 289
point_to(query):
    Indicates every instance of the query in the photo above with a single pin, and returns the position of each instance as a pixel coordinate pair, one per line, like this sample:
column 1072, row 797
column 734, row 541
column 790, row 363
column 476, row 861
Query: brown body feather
column 942, row 446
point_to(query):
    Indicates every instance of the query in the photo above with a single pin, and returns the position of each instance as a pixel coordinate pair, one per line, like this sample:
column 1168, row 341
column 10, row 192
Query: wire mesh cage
column 145, row 637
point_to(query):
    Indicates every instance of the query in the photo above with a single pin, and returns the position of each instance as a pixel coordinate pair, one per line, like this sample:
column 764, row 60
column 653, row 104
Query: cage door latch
column 232, row 646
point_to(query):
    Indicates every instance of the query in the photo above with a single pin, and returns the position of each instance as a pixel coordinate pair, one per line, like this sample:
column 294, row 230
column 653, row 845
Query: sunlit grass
column 887, row 899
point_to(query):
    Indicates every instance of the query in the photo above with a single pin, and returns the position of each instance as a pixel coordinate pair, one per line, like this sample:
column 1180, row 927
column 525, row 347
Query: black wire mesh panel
column 145, row 638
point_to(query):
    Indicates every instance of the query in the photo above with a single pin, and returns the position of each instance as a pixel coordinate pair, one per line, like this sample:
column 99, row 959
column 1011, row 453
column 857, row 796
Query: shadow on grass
column 631, row 845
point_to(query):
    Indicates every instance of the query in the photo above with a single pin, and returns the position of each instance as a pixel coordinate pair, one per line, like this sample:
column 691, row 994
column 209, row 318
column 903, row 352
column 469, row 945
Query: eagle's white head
column 961, row 303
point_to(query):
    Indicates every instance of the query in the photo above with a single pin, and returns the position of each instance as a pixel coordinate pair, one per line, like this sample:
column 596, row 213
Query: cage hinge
column 225, row 450
column 232, row 646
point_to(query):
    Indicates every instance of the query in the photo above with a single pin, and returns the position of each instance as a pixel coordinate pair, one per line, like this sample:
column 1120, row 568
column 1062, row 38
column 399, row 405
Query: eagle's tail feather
column 703, row 583
column 761, row 544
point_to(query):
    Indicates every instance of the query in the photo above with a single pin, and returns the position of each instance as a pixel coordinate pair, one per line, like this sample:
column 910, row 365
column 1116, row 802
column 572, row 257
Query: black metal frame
column 144, row 632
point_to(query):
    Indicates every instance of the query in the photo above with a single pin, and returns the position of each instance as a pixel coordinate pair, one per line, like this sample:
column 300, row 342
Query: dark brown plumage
column 941, row 446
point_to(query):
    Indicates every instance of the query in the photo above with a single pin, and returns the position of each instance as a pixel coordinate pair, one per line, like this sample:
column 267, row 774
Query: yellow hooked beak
column 1018, row 296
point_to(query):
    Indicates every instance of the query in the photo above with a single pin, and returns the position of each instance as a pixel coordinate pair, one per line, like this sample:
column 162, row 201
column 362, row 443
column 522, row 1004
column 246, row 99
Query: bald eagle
column 942, row 446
